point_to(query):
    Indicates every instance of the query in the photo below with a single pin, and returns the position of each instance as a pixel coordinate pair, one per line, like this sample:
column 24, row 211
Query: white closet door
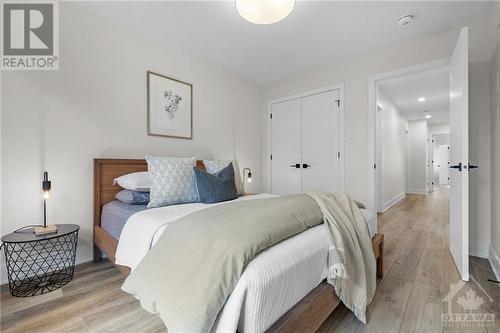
column 321, row 142
column 285, row 147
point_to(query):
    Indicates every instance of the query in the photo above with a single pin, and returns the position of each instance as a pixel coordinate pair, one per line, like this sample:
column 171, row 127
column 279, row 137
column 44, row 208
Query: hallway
column 419, row 272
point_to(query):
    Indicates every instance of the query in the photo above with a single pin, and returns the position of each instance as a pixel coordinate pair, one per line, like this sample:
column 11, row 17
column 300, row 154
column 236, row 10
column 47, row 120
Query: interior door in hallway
column 321, row 142
column 444, row 170
column 436, row 164
column 459, row 154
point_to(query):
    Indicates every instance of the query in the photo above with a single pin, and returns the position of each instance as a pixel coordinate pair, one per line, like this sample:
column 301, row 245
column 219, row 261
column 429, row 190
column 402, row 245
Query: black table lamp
column 46, row 186
column 46, row 195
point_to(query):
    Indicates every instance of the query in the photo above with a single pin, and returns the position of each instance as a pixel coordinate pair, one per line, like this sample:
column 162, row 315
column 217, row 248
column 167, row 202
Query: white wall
column 418, row 134
column 495, row 141
column 393, row 149
column 479, row 154
column 439, row 128
column 480, row 180
column 95, row 106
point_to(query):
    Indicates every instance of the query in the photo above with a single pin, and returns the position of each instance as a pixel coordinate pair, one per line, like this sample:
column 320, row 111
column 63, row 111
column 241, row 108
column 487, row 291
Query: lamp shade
column 46, row 183
column 264, row 11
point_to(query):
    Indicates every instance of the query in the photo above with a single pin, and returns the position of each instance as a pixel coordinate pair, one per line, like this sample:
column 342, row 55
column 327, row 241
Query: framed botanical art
column 170, row 107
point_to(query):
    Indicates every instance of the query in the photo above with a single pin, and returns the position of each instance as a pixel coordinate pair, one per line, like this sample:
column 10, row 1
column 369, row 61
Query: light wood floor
column 419, row 271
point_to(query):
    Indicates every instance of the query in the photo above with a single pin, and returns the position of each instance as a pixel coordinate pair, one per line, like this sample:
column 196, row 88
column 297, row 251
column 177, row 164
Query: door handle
column 305, row 165
column 457, row 166
column 472, row 166
column 297, row 166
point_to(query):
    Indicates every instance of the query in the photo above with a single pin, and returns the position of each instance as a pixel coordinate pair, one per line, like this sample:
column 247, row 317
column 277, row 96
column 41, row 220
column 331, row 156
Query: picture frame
column 170, row 106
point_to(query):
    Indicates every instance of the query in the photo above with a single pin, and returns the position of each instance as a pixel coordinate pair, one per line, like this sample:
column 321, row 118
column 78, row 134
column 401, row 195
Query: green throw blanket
column 195, row 265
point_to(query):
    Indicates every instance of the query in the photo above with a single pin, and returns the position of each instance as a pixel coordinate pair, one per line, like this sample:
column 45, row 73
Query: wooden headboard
column 105, row 171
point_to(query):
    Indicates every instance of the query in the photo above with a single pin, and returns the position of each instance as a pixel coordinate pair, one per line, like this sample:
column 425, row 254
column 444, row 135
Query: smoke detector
column 406, row 20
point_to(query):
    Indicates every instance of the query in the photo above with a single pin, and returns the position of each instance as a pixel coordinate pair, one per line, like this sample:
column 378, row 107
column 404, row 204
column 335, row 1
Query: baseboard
column 417, row 191
column 391, row 202
column 478, row 249
column 494, row 262
column 79, row 261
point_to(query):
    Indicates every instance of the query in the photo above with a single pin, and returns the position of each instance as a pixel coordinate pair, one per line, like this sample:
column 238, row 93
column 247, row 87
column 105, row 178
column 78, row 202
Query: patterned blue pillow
column 133, row 197
column 172, row 181
column 216, row 187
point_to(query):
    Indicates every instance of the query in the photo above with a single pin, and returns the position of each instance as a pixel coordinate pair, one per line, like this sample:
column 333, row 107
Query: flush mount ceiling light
column 421, row 99
column 427, row 115
column 405, row 20
column 264, row 11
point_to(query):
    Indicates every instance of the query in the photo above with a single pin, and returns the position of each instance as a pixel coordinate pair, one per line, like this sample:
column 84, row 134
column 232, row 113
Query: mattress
column 115, row 214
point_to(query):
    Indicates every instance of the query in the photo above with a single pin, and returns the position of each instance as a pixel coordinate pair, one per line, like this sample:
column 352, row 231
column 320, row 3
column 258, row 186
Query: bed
column 300, row 302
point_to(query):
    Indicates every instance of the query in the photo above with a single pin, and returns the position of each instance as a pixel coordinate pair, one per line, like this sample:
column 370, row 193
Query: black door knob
column 457, row 166
column 297, row 166
column 305, row 165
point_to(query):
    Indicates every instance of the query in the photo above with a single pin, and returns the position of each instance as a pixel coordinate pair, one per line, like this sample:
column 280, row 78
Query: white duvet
column 272, row 282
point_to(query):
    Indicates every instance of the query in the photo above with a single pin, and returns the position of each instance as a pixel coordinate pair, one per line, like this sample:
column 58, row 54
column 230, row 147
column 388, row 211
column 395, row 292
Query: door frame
column 268, row 142
column 372, row 117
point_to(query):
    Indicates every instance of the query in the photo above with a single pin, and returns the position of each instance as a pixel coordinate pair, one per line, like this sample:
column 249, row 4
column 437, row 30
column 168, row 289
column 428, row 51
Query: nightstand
column 37, row 264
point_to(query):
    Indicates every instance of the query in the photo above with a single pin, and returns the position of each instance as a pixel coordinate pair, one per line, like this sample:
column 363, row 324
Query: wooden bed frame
column 306, row 316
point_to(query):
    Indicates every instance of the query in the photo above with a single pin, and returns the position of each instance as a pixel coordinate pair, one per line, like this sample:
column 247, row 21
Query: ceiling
column 314, row 35
column 405, row 91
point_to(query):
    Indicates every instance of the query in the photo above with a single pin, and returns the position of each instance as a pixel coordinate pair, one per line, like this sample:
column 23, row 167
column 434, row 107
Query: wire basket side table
column 39, row 264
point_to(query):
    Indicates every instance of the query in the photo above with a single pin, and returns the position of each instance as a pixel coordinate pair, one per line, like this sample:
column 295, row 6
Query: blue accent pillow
column 216, row 187
column 133, row 197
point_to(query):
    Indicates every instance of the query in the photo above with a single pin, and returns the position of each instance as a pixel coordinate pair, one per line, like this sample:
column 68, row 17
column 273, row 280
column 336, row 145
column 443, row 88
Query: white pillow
column 214, row 166
column 135, row 181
